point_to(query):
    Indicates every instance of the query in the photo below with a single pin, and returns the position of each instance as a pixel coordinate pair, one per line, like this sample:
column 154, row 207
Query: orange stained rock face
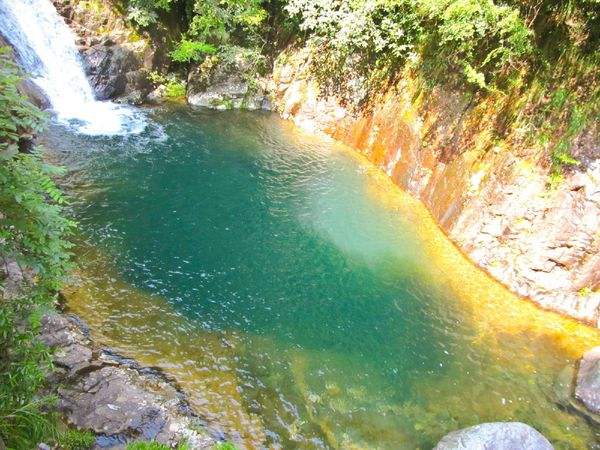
column 494, row 310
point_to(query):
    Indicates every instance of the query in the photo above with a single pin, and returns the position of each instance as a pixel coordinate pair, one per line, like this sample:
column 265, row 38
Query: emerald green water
column 270, row 274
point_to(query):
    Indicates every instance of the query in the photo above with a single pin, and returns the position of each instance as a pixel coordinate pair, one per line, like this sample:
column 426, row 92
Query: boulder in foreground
column 114, row 397
column 587, row 389
column 495, row 436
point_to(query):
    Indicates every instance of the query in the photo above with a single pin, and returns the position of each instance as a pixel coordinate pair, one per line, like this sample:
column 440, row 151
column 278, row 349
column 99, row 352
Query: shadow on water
column 299, row 297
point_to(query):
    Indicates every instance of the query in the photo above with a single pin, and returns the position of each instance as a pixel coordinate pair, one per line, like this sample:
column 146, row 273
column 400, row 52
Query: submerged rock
column 114, row 397
column 563, row 394
column 495, row 436
column 587, row 389
column 562, row 390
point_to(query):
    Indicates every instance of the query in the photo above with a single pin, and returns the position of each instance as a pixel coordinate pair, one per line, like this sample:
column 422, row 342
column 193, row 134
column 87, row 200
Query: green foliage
column 224, row 446
column 32, row 226
column 23, row 359
column 76, row 439
column 156, row 77
column 153, row 445
column 361, row 44
column 144, row 12
column 249, row 61
column 220, row 23
column 187, row 51
column 479, row 35
column 561, row 156
column 32, row 232
column 585, row 291
column 16, row 113
column 558, row 99
column 174, row 88
column 476, row 37
column 217, row 20
column 210, row 24
column 555, row 178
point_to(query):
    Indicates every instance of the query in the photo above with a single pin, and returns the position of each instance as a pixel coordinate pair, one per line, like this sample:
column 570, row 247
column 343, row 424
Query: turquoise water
column 271, row 275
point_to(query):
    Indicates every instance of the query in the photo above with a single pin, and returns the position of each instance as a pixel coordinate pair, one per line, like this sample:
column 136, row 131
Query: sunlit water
column 298, row 298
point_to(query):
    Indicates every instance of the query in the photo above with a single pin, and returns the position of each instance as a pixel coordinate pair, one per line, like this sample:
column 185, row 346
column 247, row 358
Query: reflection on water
column 299, row 298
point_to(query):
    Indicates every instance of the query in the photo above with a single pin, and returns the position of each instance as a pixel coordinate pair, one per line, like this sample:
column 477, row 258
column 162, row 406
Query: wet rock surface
column 116, row 59
column 114, row 397
column 587, row 389
column 227, row 85
column 35, row 94
column 495, row 436
column 542, row 243
column 112, row 70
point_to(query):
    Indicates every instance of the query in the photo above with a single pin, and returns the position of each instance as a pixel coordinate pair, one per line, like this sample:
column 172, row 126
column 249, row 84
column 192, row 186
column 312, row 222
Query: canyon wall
column 493, row 199
column 491, row 196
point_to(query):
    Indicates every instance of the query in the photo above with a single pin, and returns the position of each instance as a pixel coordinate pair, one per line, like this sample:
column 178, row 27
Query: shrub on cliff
column 187, row 51
column 209, row 25
column 478, row 43
column 475, row 38
column 32, row 233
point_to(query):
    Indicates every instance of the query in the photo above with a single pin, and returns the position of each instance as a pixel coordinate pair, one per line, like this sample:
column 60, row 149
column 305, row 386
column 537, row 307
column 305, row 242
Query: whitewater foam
column 45, row 48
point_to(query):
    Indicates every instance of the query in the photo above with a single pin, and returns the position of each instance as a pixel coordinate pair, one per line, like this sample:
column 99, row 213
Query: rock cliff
column 493, row 201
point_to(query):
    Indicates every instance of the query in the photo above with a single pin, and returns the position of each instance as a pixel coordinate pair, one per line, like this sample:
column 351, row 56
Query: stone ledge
column 115, row 397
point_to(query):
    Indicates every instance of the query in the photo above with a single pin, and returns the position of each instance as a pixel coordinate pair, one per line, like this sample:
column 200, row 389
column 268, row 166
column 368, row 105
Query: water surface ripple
column 299, row 298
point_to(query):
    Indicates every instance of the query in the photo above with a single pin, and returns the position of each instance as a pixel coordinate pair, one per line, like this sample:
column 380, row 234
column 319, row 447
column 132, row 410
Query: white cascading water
column 45, row 47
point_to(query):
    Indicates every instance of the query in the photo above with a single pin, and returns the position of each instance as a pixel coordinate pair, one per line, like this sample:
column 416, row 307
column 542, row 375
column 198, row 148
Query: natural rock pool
column 298, row 297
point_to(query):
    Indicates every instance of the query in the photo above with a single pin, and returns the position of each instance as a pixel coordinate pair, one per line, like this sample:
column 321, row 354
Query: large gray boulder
column 113, row 70
column 587, row 389
column 114, row 397
column 231, row 94
column 230, row 82
column 34, row 93
column 495, row 436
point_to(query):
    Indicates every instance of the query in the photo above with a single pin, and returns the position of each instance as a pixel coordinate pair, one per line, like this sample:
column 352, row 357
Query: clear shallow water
column 299, row 298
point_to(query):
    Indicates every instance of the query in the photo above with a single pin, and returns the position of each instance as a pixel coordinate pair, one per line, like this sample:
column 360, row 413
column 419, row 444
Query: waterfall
column 45, row 48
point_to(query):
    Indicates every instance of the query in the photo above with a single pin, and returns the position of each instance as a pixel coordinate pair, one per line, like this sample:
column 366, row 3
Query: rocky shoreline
column 114, row 397
column 541, row 242
column 121, row 401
